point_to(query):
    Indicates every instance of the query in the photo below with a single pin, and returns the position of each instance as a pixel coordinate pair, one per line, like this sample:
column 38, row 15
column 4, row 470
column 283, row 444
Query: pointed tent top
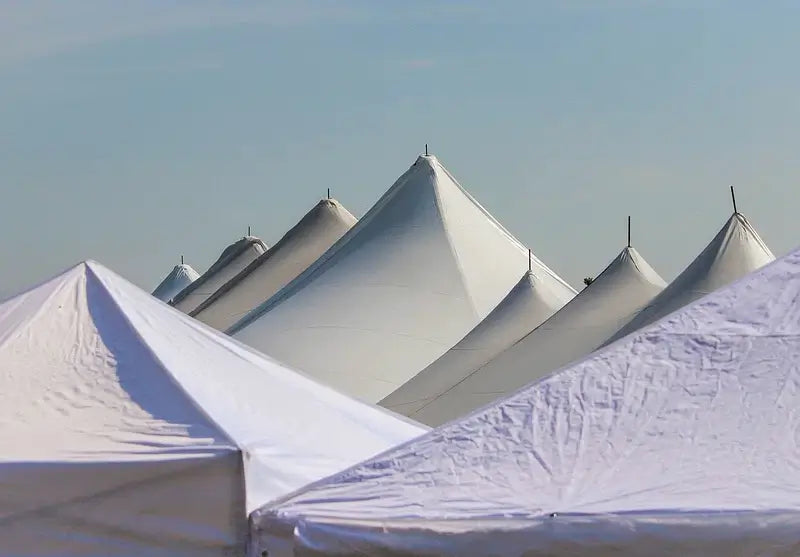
column 176, row 280
column 735, row 251
column 680, row 428
column 529, row 303
column 299, row 247
column 156, row 383
column 444, row 250
column 440, row 394
column 233, row 259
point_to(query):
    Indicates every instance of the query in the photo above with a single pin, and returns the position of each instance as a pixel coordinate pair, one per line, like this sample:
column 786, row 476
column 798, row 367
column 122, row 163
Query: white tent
column 681, row 439
column 300, row 247
column 231, row 261
column 405, row 284
column 441, row 393
column 735, row 251
column 128, row 428
column 524, row 308
column 179, row 278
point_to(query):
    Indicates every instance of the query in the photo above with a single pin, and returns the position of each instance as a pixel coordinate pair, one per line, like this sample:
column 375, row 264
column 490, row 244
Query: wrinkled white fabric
column 230, row 263
column 681, row 438
column 129, row 428
column 179, row 278
column 736, row 250
column 440, row 394
column 317, row 231
column 525, row 307
column 410, row 279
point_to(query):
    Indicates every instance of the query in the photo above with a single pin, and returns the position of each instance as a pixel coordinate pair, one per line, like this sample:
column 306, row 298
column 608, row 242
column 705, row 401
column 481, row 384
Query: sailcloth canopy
column 680, row 439
column 130, row 429
column 300, row 247
column 736, row 250
column 523, row 309
column 179, row 278
column 445, row 390
column 405, row 284
column 231, row 261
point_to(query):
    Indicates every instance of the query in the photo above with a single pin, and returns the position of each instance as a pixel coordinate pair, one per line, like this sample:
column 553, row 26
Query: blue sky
column 134, row 132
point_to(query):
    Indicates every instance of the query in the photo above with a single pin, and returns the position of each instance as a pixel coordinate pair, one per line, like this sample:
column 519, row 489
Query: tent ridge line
column 165, row 369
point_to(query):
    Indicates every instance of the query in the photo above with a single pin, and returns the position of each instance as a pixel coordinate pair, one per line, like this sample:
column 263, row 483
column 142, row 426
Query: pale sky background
column 134, row 132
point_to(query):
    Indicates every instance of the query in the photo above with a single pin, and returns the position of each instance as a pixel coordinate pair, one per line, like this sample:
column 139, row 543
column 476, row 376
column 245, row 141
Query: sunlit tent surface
column 179, row 278
column 128, row 428
column 231, row 261
column 680, row 439
column 527, row 305
column 444, row 392
column 300, row 247
column 735, row 251
column 404, row 285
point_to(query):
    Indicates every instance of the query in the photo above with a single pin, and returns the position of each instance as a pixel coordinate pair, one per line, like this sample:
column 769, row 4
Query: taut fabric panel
column 680, row 438
column 410, row 279
column 445, row 391
column 317, row 231
column 231, row 262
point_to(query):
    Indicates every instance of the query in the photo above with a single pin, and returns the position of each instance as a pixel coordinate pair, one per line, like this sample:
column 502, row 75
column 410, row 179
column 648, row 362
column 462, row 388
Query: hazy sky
column 134, row 132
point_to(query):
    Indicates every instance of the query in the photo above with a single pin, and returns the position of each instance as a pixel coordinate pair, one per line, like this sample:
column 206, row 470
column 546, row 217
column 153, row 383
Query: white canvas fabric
column 231, row 262
column 128, row 428
column 179, row 278
column 317, row 231
column 736, row 250
column 525, row 307
column 414, row 276
column 680, row 439
column 442, row 393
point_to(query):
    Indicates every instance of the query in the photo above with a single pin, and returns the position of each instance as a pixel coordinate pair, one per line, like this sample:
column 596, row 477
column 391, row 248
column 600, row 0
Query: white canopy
column 128, row 428
column 735, row 251
column 300, row 247
column 406, row 283
column 680, row 439
column 179, row 278
column 441, row 393
column 231, row 261
column 522, row 310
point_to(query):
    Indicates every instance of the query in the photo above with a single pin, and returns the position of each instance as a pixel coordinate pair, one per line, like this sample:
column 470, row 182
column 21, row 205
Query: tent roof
column 179, row 278
column 231, row 261
column 317, row 231
column 685, row 428
column 736, row 250
column 438, row 395
column 525, row 307
column 94, row 369
column 410, row 279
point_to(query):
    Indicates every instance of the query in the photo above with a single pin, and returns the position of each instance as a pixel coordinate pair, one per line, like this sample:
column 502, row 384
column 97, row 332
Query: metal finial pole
column 629, row 231
column 733, row 198
column 248, row 230
column 426, row 149
column 181, row 260
column 530, row 261
column 329, row 193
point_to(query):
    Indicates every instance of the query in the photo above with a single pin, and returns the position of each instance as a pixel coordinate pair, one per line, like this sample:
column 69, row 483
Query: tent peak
column 428, row 159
